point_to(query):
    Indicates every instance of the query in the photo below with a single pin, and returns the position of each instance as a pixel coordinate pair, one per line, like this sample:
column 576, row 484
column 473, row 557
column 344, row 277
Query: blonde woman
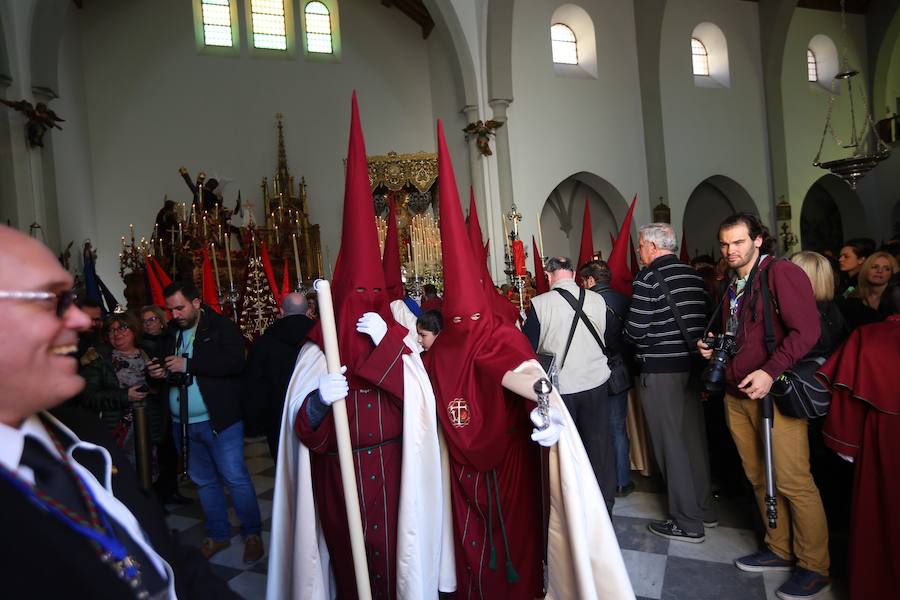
column 821, row 276
column 874, row 299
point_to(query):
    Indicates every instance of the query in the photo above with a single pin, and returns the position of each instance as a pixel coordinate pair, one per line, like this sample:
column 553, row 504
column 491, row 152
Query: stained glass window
column 812, row 69
column 217, row 23
column 563, row 45
column 269, row 26
column 700, row 57
column 318, row 28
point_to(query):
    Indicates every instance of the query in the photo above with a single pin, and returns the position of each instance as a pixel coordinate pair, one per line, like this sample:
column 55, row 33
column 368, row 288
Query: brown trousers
column 802, row 530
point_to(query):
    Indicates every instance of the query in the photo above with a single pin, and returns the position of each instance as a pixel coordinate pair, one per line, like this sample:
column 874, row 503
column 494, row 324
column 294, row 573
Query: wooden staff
column 345, row 452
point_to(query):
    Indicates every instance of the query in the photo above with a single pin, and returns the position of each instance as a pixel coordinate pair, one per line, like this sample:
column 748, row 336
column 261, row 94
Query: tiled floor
column 659, row 569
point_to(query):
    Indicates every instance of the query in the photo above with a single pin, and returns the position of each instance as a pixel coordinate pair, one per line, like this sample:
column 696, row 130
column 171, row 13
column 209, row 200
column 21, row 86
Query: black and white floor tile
column 659, row 568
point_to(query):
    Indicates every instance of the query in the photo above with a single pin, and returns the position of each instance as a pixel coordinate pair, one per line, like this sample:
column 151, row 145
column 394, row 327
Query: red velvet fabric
column 486, row 427
column 390, row 261
column 864, row 422
column 375, row 413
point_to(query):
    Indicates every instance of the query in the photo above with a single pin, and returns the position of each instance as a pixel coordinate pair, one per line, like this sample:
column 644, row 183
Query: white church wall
column 155, row 104
column 447, row 102
column 71, row 148
column 713, row 130
column 560, row 126
column 806, row 104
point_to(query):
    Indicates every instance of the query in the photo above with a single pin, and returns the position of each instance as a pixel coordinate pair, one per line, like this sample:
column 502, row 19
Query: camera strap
column 766, row 294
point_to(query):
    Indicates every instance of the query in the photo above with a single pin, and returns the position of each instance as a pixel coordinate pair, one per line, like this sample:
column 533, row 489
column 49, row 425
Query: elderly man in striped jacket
column 668, row 306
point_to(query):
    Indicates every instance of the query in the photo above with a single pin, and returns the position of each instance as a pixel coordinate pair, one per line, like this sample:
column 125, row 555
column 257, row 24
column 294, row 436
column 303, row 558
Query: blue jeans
column 618, row 413
column 215, row 458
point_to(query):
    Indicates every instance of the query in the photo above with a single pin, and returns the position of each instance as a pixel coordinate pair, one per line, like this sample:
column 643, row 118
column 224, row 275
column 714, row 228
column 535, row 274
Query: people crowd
column 479, row 444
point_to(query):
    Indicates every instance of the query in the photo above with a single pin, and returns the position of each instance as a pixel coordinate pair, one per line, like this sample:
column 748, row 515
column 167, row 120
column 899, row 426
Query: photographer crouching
column 743, row 363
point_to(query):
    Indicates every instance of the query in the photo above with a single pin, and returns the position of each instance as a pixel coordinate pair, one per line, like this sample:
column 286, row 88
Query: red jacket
column 796, row 330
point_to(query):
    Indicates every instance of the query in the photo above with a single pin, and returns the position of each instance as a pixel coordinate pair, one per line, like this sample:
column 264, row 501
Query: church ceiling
column 858, row 7
column 415, row 10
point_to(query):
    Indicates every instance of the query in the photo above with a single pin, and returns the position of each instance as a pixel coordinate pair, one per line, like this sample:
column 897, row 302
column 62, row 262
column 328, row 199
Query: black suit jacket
column 217, row 362
column 42, row 558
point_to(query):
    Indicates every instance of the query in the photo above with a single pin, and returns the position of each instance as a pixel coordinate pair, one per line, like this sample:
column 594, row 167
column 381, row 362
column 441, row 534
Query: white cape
column 299, row 563
column 584, row 559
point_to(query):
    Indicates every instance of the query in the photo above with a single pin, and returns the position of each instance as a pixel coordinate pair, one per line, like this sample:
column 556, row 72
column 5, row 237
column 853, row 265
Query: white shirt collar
column 12, row 440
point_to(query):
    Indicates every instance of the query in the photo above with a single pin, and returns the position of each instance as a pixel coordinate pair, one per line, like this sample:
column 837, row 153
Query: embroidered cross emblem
column 459, row 412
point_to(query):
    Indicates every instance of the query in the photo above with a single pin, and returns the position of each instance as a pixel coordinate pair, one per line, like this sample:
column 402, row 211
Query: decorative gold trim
column 396, row 171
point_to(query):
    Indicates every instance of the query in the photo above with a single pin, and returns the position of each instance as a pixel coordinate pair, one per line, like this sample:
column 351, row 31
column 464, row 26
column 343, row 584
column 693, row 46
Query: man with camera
column 667, row 315
column 204, row 372
column 742, row 361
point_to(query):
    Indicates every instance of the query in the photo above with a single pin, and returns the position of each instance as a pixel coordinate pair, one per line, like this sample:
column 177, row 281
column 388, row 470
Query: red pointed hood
column 358, row 265
column 475, row 237
column 684, row 255
column 618, row 259
column 358, row 286
column 587, row 240
column 390, row 261
column 475, row 348
column 463, row 295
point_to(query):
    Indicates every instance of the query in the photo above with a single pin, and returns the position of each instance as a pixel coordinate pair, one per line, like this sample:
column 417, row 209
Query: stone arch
column 47, row 24
column 831, row 213
column 447, row 23
column 710, row 202
column 563, row 210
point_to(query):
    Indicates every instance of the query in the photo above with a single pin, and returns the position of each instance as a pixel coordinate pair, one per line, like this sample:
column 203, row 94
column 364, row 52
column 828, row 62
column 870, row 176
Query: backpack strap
column 574, row 326
column 766, row 295
column 579, row 314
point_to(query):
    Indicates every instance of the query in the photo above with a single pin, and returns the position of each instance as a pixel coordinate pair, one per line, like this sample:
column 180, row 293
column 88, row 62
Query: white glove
column 549, row 436
column 333, row 387
column 372, row 325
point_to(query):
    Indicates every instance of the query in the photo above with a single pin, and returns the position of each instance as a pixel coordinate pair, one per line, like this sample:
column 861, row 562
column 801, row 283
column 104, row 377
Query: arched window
column 563, row 45
column 269, row 25
column 812, row 69
column 700, row 57
column 318, row 28
column 216, row 17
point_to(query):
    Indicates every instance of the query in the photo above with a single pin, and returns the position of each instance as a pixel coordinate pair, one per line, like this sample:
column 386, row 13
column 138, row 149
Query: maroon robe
column 864, row 422
column 376, row 427
column 488, row 435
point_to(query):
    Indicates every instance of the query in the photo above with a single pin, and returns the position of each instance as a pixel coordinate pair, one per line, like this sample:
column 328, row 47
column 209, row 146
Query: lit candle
column 540, row 235
column 277, row 239
column 180, row 235
column 204, row 226
column 212, row 250
column 131, row 226
column 506, row 237
column 297, row 260
column 228, row 260
column 183, row 211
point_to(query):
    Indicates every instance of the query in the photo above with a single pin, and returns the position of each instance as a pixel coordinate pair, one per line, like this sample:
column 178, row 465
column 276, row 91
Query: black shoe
column 624, row 490
column 177, row 498
column 671, row 530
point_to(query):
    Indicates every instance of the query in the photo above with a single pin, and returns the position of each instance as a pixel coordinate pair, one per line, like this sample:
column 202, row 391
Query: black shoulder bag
column 620, row 379
column 796, row 392
column 698, row 364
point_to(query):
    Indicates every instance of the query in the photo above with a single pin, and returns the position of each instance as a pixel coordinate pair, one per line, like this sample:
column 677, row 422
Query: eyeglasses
column 123, row 327
column 149, row 320
column 64, row 300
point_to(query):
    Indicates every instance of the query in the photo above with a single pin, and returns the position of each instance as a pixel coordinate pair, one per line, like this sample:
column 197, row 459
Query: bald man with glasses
column 75, row 523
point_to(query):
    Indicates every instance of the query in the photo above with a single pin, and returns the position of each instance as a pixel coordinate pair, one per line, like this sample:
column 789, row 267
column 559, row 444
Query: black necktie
column 52, row 477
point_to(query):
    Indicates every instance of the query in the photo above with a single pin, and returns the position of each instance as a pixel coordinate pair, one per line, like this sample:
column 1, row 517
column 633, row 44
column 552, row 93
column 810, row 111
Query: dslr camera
column 176, row 379
column 724, row 346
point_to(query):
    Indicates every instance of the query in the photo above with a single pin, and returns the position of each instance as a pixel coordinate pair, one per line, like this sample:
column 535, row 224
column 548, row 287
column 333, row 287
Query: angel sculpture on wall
column 40, row 119
column 483, row 130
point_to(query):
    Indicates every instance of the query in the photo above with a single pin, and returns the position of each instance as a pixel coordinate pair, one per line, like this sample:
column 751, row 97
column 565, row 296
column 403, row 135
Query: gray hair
column 294, row 304
column 660, row 234
column 557, row 263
